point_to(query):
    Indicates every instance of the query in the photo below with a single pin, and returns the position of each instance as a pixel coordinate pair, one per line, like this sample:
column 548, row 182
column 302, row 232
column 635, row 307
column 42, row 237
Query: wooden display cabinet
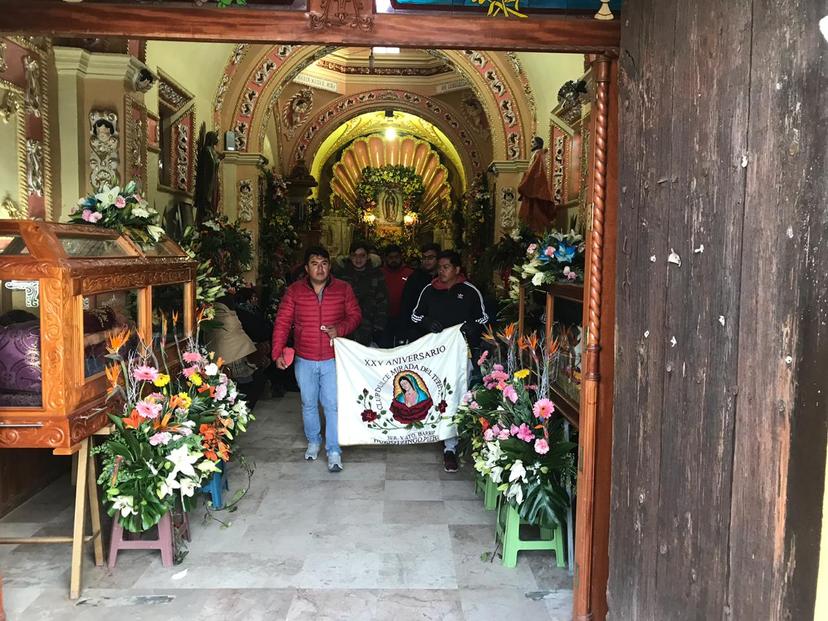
column 63, row 289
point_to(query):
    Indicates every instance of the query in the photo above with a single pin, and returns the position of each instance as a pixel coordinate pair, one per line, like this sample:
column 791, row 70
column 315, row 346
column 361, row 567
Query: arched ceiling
column 377, row 122
column 256, row 75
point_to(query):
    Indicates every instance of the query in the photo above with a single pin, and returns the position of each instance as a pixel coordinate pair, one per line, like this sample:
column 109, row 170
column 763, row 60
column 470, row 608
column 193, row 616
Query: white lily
column 124, row 504
column 155, row 231
column 537, row 279
column 167, row 487
column 188, row 487
column 108, row 195
column 517, row 472
column 182, row 461
column 496, row 474
column 515, row 493
column 140, row 212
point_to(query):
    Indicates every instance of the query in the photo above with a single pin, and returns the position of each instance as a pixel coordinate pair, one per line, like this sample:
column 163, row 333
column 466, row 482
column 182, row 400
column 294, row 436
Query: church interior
column 244, row 155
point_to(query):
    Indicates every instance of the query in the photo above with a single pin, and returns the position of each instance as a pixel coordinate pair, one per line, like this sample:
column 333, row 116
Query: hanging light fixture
column 390, row 133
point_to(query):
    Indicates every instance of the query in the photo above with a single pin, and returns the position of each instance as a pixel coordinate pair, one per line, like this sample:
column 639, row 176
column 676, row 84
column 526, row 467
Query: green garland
column 402, row 178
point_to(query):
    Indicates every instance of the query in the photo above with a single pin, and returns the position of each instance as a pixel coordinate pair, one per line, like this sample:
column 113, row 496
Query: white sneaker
column 334, row 462
column 312, row 452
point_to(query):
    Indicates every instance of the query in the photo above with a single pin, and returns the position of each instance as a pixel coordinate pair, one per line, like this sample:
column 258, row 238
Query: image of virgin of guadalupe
column 412, row 402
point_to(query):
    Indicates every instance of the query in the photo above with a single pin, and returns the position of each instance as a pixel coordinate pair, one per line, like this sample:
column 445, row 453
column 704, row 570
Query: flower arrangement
column 556, row 257
column 403, row 178
column 124, row 210
column 512, row 431
column 224, row 251
column 478, row 214
column 173, row 430
column 278, row 242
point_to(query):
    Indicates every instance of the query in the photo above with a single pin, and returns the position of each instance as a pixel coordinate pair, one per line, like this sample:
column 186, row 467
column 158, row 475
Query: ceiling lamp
column 390, row 133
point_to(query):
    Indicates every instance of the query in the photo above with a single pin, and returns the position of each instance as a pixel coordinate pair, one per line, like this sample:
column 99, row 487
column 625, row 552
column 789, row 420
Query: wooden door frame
column 554, row 34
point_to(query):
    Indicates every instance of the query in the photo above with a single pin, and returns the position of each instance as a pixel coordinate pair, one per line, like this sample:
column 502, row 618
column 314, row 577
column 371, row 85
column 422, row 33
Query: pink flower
column 221, row 391
column 543, row 409
column 91, row 216
column 145, row 374
column 188, row 371
column 549, row 251
column 192, row 356
column 162, row 437
column 531, row 249
column 474, row 405
column 514, row 430
column 503, row 435
column 147, row 409
column 541, row 446
column 524, row 433
column 497, row 367
column 510, row 393
column 488, row 435
column 482, row 358
column 120, row 202
column 467, row 398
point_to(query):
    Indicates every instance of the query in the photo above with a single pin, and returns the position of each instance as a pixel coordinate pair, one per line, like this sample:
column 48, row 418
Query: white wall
column 546, row 74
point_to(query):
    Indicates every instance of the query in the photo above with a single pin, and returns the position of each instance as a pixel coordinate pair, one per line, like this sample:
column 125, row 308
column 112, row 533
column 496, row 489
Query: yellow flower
column 195, row 379
column 522, row 374
column 162, row 380
column 185, row 400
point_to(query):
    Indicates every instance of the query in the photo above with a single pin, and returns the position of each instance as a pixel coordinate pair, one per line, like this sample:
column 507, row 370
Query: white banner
column 405, row 395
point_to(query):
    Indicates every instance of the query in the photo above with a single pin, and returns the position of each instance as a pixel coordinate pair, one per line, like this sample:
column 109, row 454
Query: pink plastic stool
column 164, row 542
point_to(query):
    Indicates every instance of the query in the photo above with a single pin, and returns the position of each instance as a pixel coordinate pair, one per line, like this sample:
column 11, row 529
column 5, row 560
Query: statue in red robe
column 537, row 208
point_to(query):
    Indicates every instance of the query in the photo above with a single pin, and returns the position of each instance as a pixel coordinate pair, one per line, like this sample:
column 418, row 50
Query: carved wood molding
column 348, row 13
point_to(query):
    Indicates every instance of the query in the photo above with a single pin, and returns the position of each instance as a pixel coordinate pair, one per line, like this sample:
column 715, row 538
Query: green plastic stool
column 508, row 534
column 489, row 488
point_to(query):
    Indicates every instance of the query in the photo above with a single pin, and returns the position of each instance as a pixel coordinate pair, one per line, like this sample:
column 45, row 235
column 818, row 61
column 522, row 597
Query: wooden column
column 720, row 419
column 587, row 430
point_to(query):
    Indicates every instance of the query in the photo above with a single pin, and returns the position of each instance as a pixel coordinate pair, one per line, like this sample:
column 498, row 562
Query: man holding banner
column 450, row 300
column 319, row 308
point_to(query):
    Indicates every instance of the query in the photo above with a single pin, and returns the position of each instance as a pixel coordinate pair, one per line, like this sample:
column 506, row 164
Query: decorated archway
column 267, row 69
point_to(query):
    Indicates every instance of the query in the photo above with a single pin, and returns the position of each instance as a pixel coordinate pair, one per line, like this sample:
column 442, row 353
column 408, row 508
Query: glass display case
column 63, row 289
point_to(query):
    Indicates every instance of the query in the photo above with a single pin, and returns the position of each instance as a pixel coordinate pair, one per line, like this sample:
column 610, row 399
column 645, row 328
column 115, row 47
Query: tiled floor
column 393, row 537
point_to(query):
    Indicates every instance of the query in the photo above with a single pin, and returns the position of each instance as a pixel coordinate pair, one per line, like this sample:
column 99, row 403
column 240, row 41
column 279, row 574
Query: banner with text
column 405, row 395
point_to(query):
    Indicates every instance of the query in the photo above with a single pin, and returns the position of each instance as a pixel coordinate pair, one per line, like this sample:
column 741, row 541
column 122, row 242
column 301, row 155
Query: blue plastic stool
column 216, row 486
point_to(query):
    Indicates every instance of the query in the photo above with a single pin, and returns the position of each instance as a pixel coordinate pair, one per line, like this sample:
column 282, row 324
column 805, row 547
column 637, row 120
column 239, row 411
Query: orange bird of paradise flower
column 113, row 374
column 116, row 340
column 508, row 333
column 489, row 335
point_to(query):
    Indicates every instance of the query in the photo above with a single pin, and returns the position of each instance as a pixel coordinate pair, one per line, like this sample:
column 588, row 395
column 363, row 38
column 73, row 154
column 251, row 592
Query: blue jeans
column 317, row 384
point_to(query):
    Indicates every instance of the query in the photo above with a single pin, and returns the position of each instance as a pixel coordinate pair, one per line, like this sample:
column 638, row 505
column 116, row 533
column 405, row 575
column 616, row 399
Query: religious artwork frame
column 136, row 147
column 104, row 149
column 12, row 113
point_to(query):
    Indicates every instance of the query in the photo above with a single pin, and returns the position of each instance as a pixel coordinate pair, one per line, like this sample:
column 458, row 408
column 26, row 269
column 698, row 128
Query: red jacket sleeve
column 353, row 314
column 283, row 323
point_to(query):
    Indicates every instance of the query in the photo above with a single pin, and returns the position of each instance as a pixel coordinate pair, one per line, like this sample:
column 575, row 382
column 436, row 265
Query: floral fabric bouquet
column 513, row 433
column 556, row 257
column 124, row 210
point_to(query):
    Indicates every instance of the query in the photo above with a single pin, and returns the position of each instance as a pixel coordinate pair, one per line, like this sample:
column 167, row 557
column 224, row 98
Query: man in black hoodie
column 451, row 300
column 421, row 277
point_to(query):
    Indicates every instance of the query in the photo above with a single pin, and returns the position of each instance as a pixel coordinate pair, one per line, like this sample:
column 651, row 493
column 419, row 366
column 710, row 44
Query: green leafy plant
column 123, row 210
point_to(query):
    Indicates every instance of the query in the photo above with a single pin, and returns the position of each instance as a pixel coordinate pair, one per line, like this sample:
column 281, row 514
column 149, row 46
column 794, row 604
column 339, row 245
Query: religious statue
column 207, row 170
column 537, row 207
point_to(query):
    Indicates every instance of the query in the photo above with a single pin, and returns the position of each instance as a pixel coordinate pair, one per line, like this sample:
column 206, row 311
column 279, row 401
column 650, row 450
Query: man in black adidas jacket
column 450, row 300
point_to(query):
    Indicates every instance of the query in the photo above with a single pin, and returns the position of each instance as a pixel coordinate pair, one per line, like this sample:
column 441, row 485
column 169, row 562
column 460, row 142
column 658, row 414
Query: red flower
column 442, row 406
column 369, row 416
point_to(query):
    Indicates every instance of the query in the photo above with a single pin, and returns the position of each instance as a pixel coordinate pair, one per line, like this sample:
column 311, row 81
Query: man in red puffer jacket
column 319, row 308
